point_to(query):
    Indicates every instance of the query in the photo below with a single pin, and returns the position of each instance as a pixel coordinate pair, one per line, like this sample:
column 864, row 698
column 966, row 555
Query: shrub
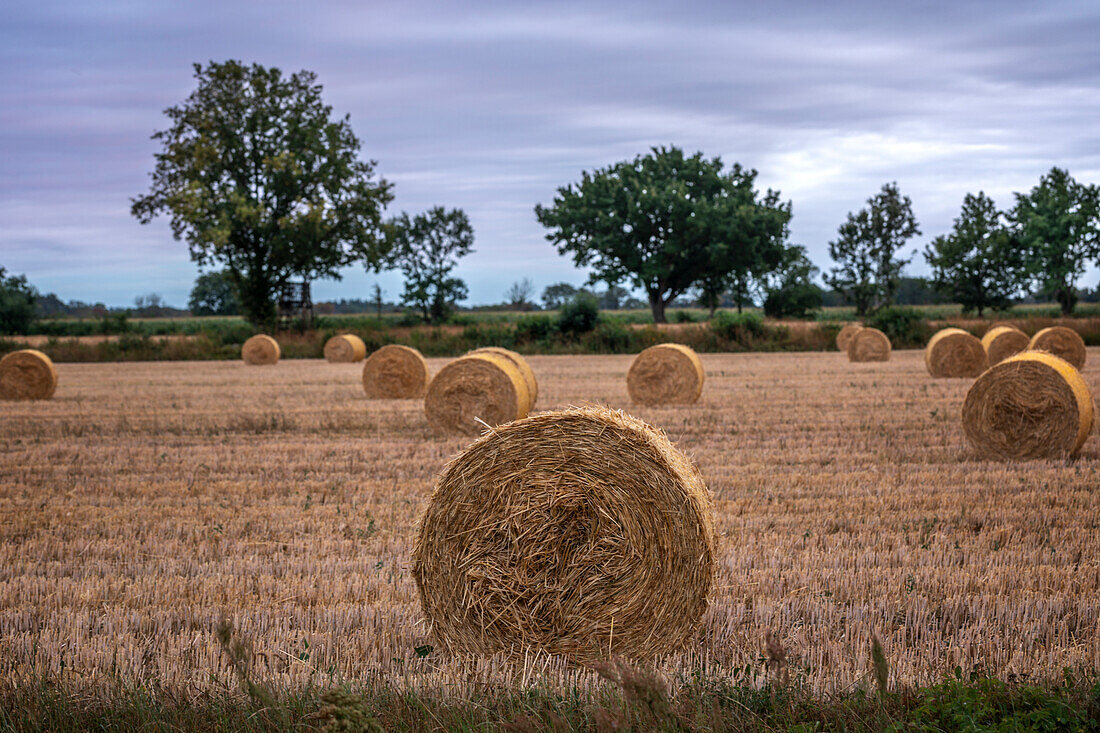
column 793, row 301
column 738, row 327
column 610, row 337
column 579, row 315
column 683, row 317
column 534, row 328
column 904, row 326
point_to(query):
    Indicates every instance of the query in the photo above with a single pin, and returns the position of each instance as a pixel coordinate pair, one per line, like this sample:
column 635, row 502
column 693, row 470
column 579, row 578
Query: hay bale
column 953, row 352
column 346, row 348
column 521, row 363
column 27, row 374
column 1001, row 342
column 474, row 391
column 665, row 374
column 845, row 336
column 869, row 344
column 1032, row 405
column 395, row 372
column 260, row 350
column 583, row 532
column 1065, row 343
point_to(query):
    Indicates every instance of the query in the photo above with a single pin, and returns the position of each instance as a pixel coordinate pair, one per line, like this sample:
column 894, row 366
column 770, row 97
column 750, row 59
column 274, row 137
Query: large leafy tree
column 17, row 303
column 789, row 289
column 868, row 269
column 427, row 248
column 655, row 221
column 1058, row 225
column 979, row 264
column 259, row 177
column 214, row 294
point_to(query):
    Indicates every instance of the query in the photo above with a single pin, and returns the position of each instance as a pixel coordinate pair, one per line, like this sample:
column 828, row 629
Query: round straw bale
column 869, row 344
column 347, row 348
column 1063, row 342
column 260, row 350
column 395, row 372
column 953, row 352
column 665, row 374
column 474, row 391
column 521, row 363
column 845, row 336
column 1032, row 405
column 582, row 532
column 27, row 374
column 1001, row 342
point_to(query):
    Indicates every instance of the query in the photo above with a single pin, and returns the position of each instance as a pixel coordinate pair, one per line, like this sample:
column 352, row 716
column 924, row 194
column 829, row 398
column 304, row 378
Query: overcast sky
column 491, row 106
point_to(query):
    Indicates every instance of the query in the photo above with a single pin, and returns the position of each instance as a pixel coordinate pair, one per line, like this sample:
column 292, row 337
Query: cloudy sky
column 491, row 106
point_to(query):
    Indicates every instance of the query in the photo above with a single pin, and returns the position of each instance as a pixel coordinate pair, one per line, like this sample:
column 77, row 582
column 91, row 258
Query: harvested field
column 147, row 500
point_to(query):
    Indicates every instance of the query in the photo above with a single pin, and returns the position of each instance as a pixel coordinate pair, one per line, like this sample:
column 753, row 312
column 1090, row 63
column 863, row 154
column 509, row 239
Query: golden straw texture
column 474, row 391
column 346, row 348
column 845, row 336
column 260, row 350
column 583, row 532
column 1001, row 342
column 665, row 374
column 953, row 352
column 521, row 364
column 27, row 374
column 869, row 344
column 1032, row 405
column 395, row 372
column 1065, row 343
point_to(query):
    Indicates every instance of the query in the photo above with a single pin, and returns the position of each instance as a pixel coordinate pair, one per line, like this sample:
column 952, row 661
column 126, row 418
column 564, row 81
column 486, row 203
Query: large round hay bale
column 521, row 364
column 395, row 372
column 953, row 352
column 869, row 344
column 27, row 374
column 476, row 391
column 845, row 336
column 583, row 532
column 260, row 350
column 1032, row 405
column 1065, row 343
column 1001, row 342
column 346, row 348
column 665, row 374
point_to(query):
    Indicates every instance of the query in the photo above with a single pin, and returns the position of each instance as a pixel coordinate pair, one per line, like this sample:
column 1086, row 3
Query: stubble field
column 147, row 501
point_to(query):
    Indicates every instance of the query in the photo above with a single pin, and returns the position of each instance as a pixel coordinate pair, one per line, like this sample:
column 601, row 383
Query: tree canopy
column 259, row 177
column 866, row 250
column 427, row 248
column 663, row 221
column 17, row 303
column 1058, row 225
column 214, row 294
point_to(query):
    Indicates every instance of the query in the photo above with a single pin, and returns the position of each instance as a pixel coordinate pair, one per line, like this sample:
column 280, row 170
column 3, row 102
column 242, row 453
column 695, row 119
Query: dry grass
column 147, row 500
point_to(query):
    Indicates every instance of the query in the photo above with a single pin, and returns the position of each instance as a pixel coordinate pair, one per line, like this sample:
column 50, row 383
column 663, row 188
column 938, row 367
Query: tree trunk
column 1066, row 299
column 657, row 306
column 257, row 304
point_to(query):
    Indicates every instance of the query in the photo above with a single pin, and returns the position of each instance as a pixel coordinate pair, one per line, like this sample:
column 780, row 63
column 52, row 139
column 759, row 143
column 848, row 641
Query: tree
column 519, row 295
column 557, row 295
column 865, row 251
column 427, row 248
column 150, row 306
column 651, row 221
column 612, row 299
column 17, row 303
column 259, row 177
column 790, row 288
column 1058, row 226
column 214, row 294
column 979, row 264
column 376, row 298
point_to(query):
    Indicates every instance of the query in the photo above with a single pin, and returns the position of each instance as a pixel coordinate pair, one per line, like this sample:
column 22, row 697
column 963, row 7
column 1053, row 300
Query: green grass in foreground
column 631, row 701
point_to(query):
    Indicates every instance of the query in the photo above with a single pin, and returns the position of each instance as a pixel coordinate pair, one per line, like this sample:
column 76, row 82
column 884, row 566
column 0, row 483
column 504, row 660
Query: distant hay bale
column 583, row 532
column 953, row 352
column 869, row 344
column 476, row 391
column 1001, row 342
column 521, row 363
column 260, row 350
column 27, row 374
column 395, row 372
column 665, row 374
column 845, row 336
column 347, row 348
column 1065, row 343
column 1032, row 405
